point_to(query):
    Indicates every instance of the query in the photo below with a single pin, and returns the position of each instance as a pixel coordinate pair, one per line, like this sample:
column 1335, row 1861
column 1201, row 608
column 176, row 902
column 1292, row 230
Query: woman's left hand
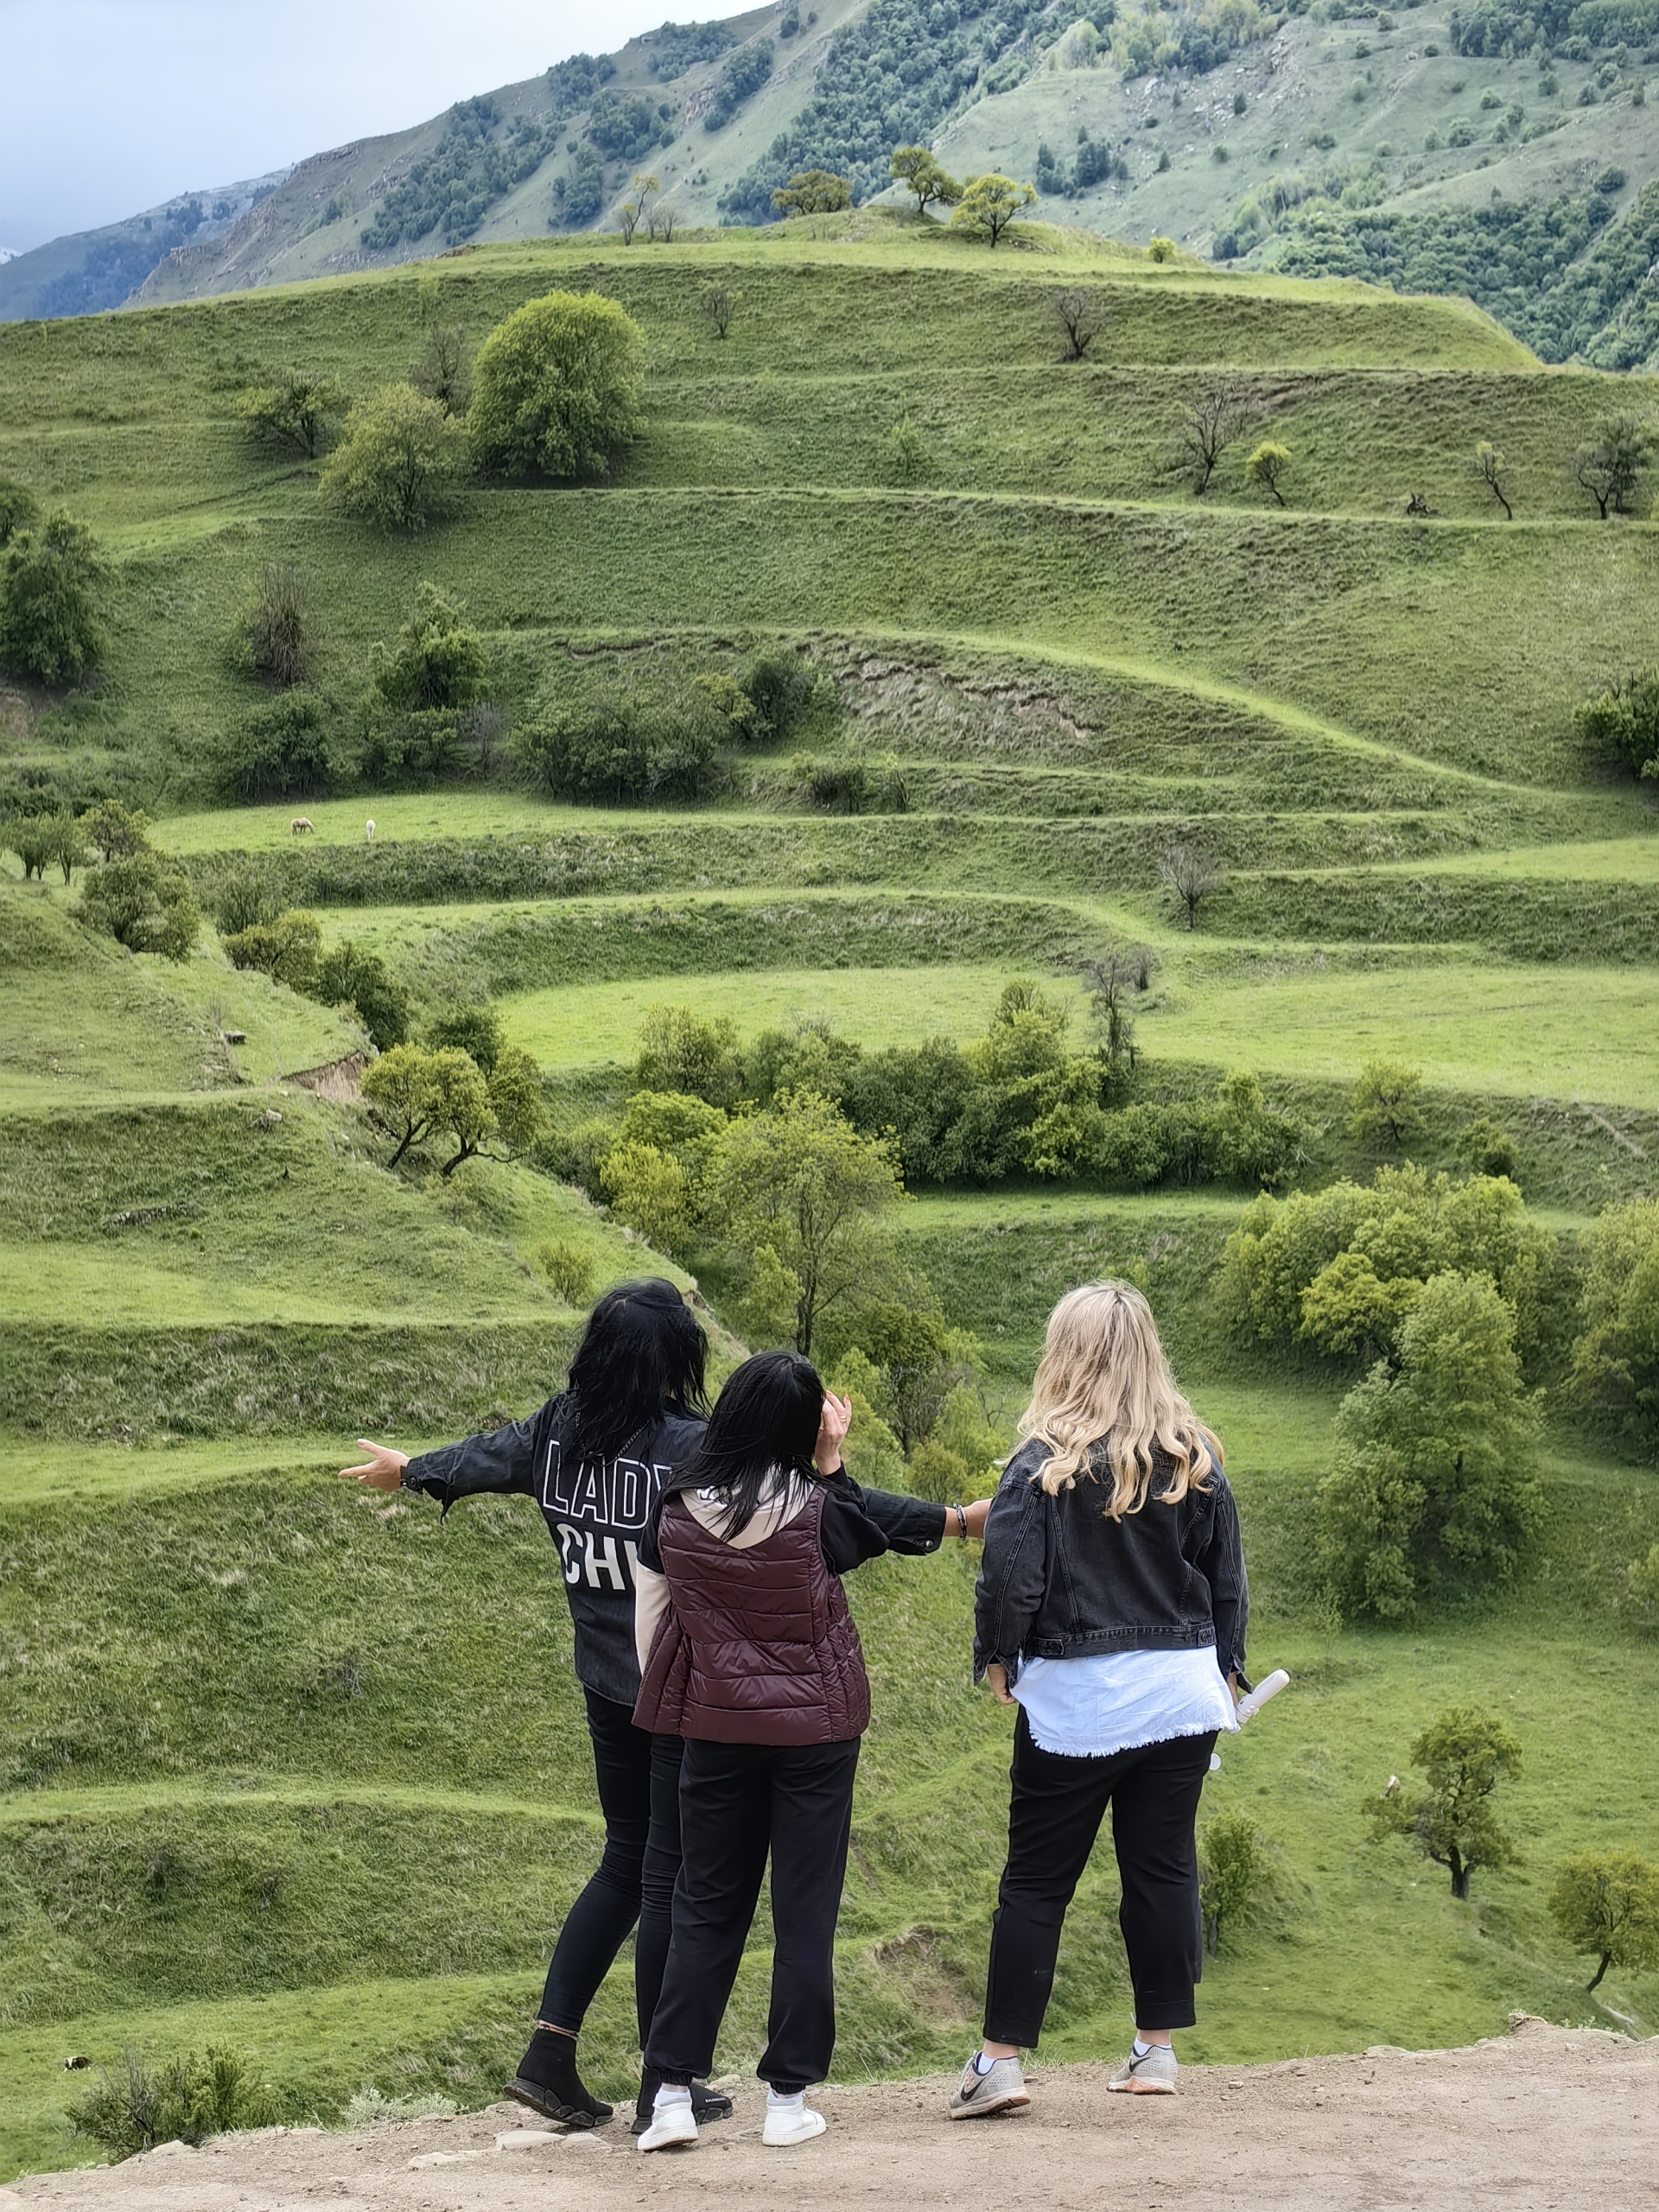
column 834, row 1423
column 996, row 1681
column 1232, row 1684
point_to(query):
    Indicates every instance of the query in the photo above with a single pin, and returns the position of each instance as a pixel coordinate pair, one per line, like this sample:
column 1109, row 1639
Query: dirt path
column 1542, row 2117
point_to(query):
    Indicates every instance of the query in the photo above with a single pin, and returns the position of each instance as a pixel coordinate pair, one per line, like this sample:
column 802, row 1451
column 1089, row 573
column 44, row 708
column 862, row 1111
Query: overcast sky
column 109, row 106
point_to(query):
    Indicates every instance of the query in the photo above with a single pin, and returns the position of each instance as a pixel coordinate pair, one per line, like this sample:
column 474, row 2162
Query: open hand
column 834, row 1423
column 996, row 1681
column 382, row 1470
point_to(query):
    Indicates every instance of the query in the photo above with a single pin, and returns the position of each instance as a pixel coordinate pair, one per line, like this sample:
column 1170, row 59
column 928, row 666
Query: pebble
column 525, row 2139
column 437, row 2159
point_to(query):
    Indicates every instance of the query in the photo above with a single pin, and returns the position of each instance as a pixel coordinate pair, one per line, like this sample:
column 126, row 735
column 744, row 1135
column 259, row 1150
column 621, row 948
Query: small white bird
column 368, row 832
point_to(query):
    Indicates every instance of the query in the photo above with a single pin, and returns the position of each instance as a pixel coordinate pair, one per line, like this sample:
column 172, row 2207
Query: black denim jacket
column 1060, row 1579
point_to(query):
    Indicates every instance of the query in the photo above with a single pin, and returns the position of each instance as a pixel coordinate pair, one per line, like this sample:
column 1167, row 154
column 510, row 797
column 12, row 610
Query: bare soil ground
column 1542, row 2117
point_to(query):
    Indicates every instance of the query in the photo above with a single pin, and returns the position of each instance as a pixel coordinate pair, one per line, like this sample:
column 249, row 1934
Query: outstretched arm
column 504, row 1460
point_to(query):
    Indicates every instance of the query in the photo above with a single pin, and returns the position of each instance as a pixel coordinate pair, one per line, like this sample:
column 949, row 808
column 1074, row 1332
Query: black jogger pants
column 1054, row 1816
column 638, row 1778
column 738, row 1802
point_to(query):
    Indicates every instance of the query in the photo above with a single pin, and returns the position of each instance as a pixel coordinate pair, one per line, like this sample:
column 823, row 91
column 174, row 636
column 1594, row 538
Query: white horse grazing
column 300, row 826
column 368, row 833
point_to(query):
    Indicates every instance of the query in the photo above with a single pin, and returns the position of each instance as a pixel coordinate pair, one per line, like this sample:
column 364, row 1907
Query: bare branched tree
column 1191, row 876
column 1219, row 416
column 1493, row 471
column 627, row 220
column 1113, row 982
column 720, row 305
column 1080, row 314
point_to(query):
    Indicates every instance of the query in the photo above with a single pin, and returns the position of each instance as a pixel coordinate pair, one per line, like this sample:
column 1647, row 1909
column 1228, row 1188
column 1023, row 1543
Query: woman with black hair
column 595, row 1459
column 746, row 1650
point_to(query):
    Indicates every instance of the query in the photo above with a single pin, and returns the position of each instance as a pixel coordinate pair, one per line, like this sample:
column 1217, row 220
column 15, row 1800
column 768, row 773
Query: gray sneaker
column 1003, row 2089
column 1152, row 2075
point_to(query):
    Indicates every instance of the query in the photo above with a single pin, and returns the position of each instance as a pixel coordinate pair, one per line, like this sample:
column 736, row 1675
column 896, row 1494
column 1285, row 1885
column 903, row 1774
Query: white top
column 1106, row 1701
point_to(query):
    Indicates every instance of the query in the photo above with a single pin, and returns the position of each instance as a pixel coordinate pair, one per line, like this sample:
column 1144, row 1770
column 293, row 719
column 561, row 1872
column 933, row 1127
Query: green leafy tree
column 1268, row 467
column 938, row 1473
column 19, row 509
column 1433, row 1474
column 1485, row 1148
column 557, row 389
column 1621, row 724
column 476, row 1030
column 988, row 204
column 399, row 1092
column 517, row 1098
column 286, row 748
column 144, row 902
column 33, row 838
column 1384, row 1106
column 402, row 463
column 295, row 411
column 288, row 950
column 1236, row 1874
column 1641, row 1584
column 800, row 1180
column 915, row 1355
column 1611, row 464
column 649, row 1191
column 350, row 975
column 1493, row 471
column 437, row 661
column 1607, row 1902
column 1616, row 1355
column 917, row 168
column 813, row 192
column 275, row 635
column 1463, row 1756
column 569, row 1269
column 115, row 832
column 632, row 738
column 48, row 605
column 683, row 1052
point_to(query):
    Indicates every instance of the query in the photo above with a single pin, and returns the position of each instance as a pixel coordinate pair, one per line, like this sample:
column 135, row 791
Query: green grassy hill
column 1499, row 155
column 272, row 1768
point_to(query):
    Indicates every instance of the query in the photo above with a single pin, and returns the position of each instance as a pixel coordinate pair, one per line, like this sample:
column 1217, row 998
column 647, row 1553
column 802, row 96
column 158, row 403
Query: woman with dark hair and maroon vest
column 747, row 1651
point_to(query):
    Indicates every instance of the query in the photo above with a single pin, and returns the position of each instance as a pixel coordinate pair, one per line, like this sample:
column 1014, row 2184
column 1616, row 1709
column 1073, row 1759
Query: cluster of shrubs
column 133, row 893
column 662, row 733
column 1023, row 1100
column 288, row 948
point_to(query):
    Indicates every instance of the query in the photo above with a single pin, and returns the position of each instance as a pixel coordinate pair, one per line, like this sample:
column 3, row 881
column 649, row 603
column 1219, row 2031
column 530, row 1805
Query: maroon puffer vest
column 757, row 1646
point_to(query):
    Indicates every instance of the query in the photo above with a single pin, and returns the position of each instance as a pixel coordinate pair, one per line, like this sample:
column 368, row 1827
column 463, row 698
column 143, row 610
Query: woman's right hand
column 996, row 1681
column 382, row 1470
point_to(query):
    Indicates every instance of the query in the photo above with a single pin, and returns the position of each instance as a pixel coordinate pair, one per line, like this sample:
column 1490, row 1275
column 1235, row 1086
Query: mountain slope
column 1447, row 149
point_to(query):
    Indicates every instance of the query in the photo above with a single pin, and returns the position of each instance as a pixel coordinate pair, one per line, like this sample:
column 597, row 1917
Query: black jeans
column 737, row 1803
column 639, row 1779
column 1055, row 1814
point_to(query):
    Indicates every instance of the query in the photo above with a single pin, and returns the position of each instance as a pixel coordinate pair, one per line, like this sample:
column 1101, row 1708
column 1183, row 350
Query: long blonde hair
column 1103, row 1380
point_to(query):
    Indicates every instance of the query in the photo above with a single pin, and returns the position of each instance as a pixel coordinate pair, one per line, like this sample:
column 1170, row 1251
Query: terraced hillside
column 277, row 1769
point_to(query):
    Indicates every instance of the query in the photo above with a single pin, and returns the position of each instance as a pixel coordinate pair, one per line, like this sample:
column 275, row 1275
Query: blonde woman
column 1111, row 1608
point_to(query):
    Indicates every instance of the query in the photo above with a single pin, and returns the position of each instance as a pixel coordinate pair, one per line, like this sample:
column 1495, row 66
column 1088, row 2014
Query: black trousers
column 639, row 1779
column 738, row 1802
column 1054, row 1816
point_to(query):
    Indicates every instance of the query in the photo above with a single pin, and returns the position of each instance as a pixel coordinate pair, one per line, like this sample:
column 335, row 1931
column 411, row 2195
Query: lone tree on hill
column 1080, row 314
column 402, row 463
column 989, row 204
column 1268, row 465
column 1607, row 1902
column 814, row 192
column 1219, row 416
column 48, row 607
column 557, row 389
column 1110, row 981
column 1236, row 1874
column 1464, row 1754
column 1385, row 1105
column 1610, row 466
column 1191, row 876
column 719, row 304
column 1621, row 724
column 444, row 370
column 1493, row 471
column 917, row 168
column 294, row 412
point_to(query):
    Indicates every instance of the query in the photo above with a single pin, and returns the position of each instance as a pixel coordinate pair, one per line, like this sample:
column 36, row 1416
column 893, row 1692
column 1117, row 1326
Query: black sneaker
column 547, row 2080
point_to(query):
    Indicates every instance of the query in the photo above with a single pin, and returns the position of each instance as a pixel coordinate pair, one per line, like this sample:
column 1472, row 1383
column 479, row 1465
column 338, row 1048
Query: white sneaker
column 1151, row 2074
column 791, row 2119
column 673, row 2122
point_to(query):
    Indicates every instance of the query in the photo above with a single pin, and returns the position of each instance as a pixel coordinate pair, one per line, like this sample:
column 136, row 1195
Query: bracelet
column 962, row 1523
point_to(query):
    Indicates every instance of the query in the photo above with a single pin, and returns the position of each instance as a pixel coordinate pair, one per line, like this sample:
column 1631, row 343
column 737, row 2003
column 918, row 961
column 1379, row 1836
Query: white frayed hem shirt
column 1106, row 1701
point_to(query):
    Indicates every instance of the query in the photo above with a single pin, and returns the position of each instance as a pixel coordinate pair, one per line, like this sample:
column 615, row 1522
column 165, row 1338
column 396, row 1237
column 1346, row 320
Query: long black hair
column 643, row 1354
column 764, row 1424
